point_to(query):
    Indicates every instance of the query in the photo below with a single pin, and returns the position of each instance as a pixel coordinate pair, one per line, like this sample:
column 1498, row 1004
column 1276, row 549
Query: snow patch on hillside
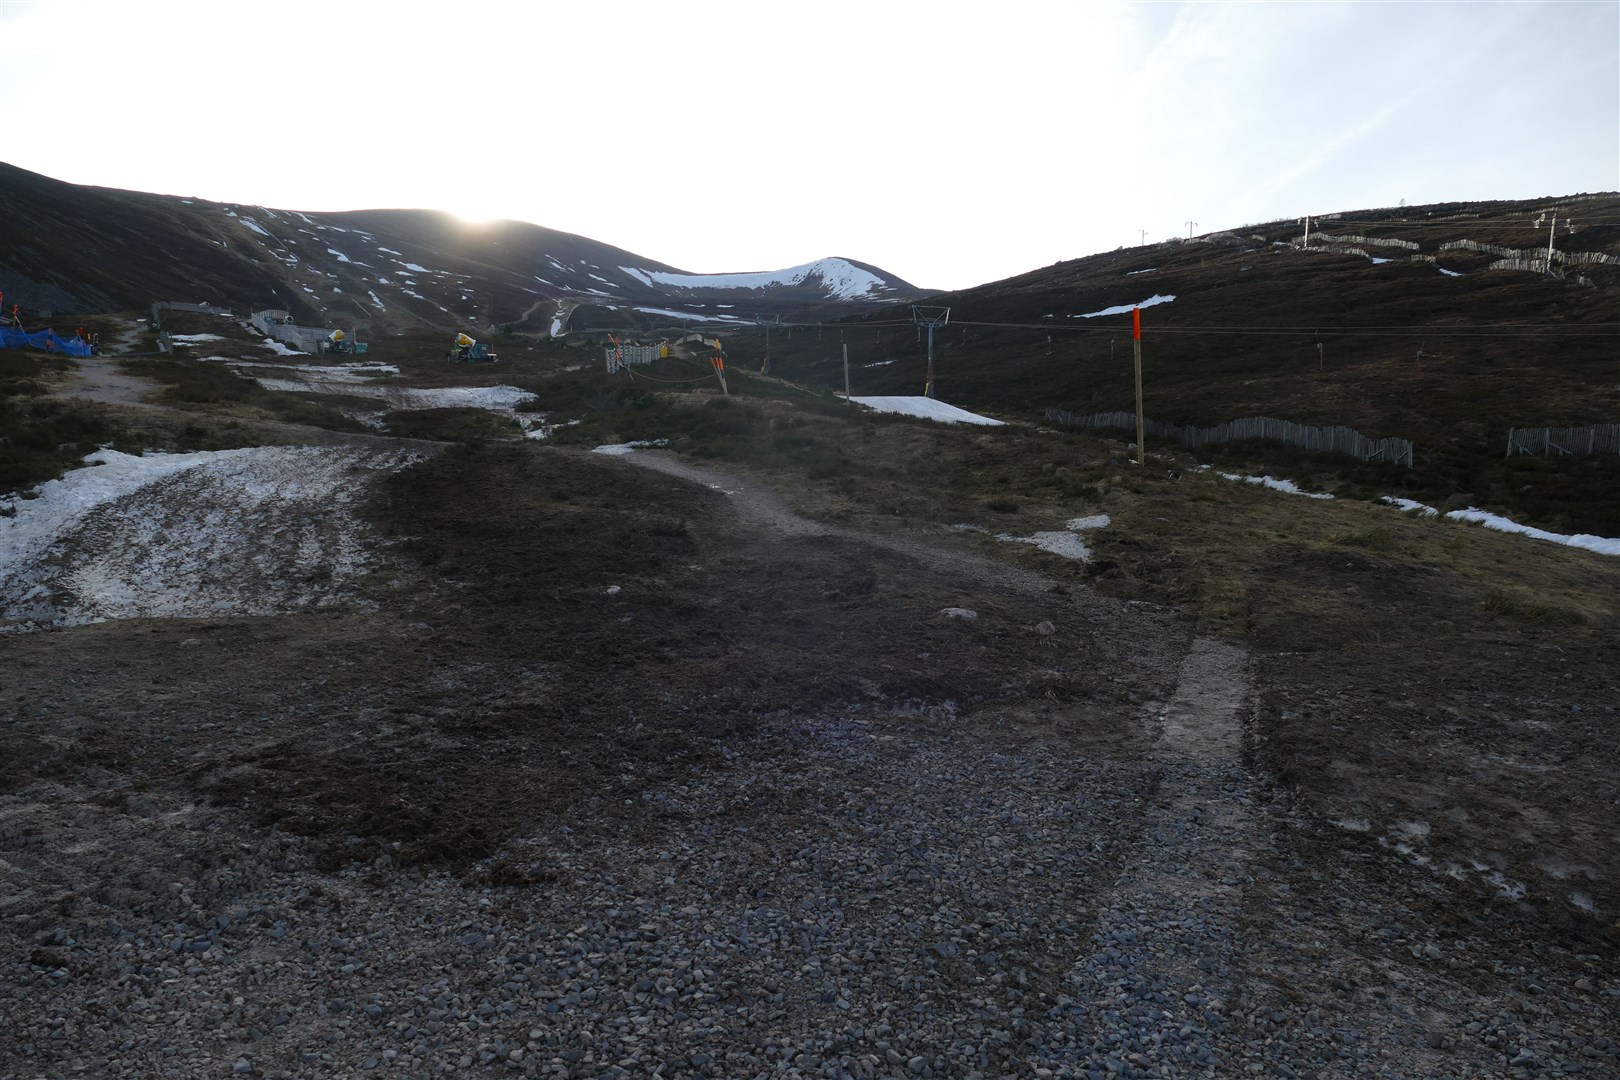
column 839, row 277
column 1601, row 544
column 925, row 408
column 1409, row 506
column 1125, row 309
column 689, row 316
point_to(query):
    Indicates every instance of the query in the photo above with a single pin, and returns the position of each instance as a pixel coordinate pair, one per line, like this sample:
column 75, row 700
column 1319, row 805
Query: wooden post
column 846, row 372
column 1141, row 423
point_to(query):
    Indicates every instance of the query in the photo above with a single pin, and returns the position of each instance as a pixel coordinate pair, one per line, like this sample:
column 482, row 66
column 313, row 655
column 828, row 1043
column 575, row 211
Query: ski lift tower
column 931, row 318
column 767, row 321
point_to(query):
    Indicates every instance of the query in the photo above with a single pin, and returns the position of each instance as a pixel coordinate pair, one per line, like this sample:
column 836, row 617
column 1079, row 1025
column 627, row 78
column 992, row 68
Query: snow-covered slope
column 925, row 408
column 840, row 279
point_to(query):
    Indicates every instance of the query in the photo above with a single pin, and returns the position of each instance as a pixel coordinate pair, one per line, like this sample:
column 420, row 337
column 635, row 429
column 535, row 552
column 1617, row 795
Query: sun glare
column 476, row 214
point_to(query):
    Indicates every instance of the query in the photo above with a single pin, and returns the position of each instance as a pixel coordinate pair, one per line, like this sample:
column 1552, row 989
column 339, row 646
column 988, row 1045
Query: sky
column 947, row 143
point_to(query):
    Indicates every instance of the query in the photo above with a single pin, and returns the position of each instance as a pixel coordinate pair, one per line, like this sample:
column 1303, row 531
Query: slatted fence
column 1570, row 442
column 1332, row 440
column 620, row 356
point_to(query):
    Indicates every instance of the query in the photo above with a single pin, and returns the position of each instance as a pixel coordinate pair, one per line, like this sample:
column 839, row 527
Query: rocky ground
column 602, row 771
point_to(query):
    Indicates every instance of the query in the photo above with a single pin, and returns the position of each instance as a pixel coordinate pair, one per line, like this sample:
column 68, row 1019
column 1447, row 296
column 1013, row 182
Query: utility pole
column 1190, row 225
column 931, row 318
column 1141, row 423
column 1144, row 236
column 1307, row 232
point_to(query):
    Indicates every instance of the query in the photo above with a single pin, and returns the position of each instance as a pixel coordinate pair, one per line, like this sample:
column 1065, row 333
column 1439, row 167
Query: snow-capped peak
column 842, row 278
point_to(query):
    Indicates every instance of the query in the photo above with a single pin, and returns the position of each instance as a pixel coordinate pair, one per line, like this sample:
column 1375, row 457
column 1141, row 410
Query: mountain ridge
column 76, row 248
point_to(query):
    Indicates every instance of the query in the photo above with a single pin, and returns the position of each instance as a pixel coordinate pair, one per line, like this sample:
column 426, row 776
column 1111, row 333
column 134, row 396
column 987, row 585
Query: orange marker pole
column 1141, row 425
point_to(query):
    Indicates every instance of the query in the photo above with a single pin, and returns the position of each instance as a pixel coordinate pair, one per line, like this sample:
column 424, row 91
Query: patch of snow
column 253, row 531
column 1449, row 273
column 1125, row 309
column 1133, row 273
column 1377, row 260
column 196, row 337
column 255, row 226
column 557, row 326
column 620, row 449
column 878, row 363
column 415, row 269
column 279, row 348
column 340, row 256
column 637, row 274
column 376, row 301
column 348, row 374
column 1601, row 544
column 1408, row 506
column 925, row 408
column 1276, row 485
column 1513, row 890
column 543, row 430
column 842, row 279
column 687, row 315
column 1063, row 543
column 494, row 398
column 390, row 251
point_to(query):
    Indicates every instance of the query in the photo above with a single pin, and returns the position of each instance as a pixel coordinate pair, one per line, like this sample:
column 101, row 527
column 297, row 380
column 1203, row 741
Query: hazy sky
column 948, row 143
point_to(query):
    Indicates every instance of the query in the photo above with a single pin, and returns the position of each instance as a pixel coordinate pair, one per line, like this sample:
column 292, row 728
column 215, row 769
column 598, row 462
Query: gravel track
column 861, row 893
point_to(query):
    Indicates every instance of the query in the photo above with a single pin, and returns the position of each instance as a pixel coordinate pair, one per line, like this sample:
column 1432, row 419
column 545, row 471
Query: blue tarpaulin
column 48, row 340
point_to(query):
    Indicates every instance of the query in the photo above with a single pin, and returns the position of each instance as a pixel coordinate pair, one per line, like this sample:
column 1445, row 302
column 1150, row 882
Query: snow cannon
column 468, row 351
column 338, row 344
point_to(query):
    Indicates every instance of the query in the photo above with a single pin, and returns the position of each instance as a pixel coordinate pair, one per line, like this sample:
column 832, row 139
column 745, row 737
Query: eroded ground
column 612, row 772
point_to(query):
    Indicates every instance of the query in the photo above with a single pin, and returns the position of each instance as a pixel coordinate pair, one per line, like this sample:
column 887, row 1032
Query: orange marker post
column 1141, row 424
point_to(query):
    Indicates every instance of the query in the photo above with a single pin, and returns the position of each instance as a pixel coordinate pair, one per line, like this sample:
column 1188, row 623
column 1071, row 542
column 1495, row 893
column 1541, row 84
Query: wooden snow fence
column 1330, row 440
column 622, row 356
column 1570, row 442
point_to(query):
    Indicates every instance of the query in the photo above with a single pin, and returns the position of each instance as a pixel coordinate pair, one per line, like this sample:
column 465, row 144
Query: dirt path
column 100, row 380
column 758, row 504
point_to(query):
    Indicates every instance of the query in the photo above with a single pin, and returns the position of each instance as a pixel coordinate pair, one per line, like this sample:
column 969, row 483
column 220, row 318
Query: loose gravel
column 859, row 896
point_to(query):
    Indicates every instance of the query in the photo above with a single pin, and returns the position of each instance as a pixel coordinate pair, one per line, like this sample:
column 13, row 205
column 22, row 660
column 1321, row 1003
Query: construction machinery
column 467, row 351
